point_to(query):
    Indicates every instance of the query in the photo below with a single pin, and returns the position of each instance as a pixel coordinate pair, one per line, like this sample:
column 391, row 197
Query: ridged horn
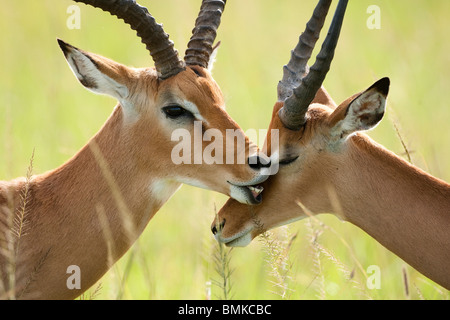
column 297, row 67
column 295, row 107
column 200, row 45
column 157, row 42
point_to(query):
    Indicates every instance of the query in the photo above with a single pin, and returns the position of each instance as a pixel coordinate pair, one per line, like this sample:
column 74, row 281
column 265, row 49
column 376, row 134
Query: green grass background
column 42, row 106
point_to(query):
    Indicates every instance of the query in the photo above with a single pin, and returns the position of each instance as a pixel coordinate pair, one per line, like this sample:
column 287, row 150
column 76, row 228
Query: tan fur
column 89, row 211
column 400, row 205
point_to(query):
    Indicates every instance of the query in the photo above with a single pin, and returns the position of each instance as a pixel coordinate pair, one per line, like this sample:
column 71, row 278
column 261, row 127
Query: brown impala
column 328, row 165
column 125, row 173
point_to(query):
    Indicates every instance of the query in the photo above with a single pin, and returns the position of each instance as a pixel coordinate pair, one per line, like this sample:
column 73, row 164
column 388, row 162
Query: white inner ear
column 363, row 113
column 212, row 57
column 90, row 77
column 365, row 109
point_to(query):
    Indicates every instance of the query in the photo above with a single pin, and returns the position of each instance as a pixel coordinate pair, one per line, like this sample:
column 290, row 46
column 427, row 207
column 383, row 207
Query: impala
column 328, row 165
column 124, row 174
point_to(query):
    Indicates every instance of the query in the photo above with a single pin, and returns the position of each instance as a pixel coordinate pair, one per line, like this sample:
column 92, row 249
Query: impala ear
column 361, row 112
column 98, row 74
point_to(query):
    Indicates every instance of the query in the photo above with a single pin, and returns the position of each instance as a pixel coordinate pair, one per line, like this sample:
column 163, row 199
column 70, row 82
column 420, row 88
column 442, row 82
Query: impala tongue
column 256, row 190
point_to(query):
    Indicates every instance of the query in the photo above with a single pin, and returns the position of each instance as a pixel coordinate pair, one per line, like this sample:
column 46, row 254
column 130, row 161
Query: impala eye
column 175, row 111
column 287, row 161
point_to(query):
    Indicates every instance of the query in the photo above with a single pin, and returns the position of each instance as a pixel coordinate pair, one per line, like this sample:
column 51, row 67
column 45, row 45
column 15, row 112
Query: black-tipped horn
column 200, row 46
column 295, row 107
column 165, row 56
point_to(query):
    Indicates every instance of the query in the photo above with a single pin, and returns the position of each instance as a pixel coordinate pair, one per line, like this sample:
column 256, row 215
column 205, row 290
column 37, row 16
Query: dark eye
column 287, row 161
column 175, row 111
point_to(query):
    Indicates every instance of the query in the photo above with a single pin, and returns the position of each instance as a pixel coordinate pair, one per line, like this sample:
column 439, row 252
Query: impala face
column 313, row 138
column 310, row 161
column 177, row 94
column 153, row 110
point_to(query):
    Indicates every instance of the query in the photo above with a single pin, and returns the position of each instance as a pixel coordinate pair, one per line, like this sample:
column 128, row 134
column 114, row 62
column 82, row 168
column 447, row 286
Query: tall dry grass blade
column 316, row 230
column 142, row 260
column 13, row 224
column 208, row 245
column 349, row 274
column 109, row 241
column 32, row 276
column 124, row 212
column 107, row 234
column 319, row 277
column 402, row 141
column 324, row 227
column 20, row 219
column 394, row 120
column 405, row 282
column 419, row 292
column 92, row 295
column 443, row 293
column 125, row 275
column 135, row 253
column 278, row 253
column 222, row 258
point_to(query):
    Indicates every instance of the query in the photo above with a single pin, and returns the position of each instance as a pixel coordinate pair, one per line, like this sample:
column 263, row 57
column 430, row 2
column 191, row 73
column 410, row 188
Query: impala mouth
column 256, row 192
column 248, row 194
column 241, row 239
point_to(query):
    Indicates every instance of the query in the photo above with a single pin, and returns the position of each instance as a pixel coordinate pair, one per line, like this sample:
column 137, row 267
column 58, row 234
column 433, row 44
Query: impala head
column 163, row 105
column 313, row 139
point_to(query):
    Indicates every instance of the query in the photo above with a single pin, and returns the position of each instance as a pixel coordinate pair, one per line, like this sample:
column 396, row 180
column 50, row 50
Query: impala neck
column 105, row 176
column 401, row 206
column 87, row 213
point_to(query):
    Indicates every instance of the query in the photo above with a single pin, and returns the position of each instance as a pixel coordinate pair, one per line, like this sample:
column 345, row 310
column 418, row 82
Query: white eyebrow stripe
column 192, row 108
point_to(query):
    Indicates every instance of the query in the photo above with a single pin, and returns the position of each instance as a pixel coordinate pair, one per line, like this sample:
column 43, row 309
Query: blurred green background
column 42, row 106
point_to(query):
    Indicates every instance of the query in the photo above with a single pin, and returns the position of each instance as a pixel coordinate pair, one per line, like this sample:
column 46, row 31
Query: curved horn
column 152, row 34
column 295, row 107
column 204, row 33
column 297, row 67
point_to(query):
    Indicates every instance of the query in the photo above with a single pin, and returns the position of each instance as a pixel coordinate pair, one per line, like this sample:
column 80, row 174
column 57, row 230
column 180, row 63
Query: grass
column 222, row 258
column 44, row 109
column 278, row 263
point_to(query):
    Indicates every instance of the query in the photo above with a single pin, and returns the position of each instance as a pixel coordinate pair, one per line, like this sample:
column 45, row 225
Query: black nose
column 257, row 162
column 214, row 228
